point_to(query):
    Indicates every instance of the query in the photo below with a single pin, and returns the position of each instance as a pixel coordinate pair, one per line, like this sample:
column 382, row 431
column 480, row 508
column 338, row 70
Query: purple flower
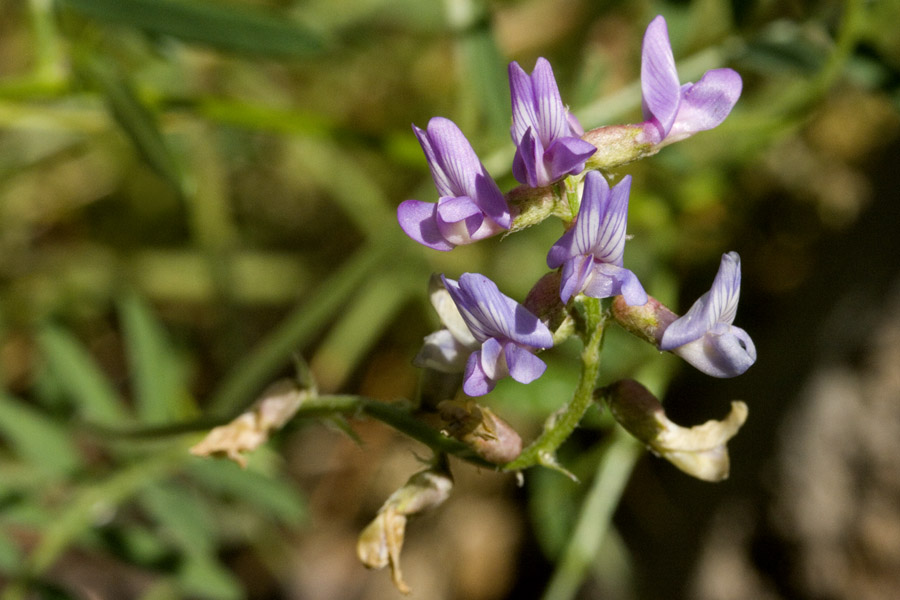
column 705, row 336
column 548, row 139
column 673, row 111
column 507, row 333
column 471, row 206
column 591, row 251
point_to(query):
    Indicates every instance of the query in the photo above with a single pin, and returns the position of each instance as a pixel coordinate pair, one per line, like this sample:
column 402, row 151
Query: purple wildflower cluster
column 551, row 146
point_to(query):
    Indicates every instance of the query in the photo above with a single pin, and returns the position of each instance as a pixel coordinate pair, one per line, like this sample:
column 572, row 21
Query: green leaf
column 186, row 520
column 224, row 26
column 136, row 120
column 157, row 375
column 35, row 437
column 80, row 377
column 273, row 497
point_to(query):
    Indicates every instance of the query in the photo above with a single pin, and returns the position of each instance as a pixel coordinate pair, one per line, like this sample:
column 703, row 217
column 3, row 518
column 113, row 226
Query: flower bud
column 488, row 435
column 647, row 321
column 617, row 145
column 380, row 542
column 699, row 451
column 544, row 302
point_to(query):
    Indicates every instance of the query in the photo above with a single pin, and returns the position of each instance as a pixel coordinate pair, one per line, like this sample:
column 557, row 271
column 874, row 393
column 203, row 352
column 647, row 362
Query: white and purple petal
column 727, row 351
column 718, row 305
column 660, row 89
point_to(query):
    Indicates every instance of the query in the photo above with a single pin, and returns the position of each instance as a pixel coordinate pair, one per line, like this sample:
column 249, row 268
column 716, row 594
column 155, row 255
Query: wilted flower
column 591, row 251
column 699, row 451
column 276, row 406
column 705, row 336
column 673, row 111
column 380, row 542
column 507, row 332
column 548, row 138
column 471, row 206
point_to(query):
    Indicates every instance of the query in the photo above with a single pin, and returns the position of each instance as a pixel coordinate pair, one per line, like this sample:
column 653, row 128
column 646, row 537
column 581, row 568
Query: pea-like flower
column 507, row 333
column 705, row 336
column 672, row 111
column 471, row 206
column 591, row 251
column 548, row 138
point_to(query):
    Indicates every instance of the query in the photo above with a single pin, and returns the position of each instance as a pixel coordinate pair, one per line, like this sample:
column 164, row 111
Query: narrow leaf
column 156, row 374
column 80, row 377
column 35, row 437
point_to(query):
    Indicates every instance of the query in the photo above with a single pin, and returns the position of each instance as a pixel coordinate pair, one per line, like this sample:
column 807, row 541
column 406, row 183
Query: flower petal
column 528, row 163
column 455, row 158
column 609, row 246
column 566, row 156
column 610, row 280
column 705, row 104
column 523, row 366
column 660, row 89
column 417, row 219
column 524, row 115
column 574, row 275
column 727, row 351
column 475, row 380
column 552, row 116
column 442, row 352
column 718, row 305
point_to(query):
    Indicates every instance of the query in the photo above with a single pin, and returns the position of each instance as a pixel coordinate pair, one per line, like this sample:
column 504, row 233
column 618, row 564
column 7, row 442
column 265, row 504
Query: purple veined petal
column 725, row 352
column 575, row 274
column 441, row 181
column 528, row 163
column 455, row 157
column 418, row 221
column 552, row 116
column 609, row 245
column 529, row 330
column 590, row 213
column 524, row 114
column 705, row 104
column 566, row 156
column 660, row 89
column 453, row 209
column 718, row 305
column 475, row 381
column 486, row 311
column 726, row 289
column 523, row 366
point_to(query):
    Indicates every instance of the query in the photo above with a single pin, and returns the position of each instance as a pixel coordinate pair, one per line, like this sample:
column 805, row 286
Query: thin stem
column 400, row 417
column 561, row 424
column 595, row 517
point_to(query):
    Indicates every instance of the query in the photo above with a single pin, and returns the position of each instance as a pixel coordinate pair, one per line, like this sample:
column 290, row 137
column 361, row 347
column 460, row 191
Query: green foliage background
column 191, row 192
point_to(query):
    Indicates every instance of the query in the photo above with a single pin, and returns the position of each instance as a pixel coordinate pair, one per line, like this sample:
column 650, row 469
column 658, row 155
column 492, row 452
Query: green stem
column 397, row 416
column 595, row 517
column 561, row 424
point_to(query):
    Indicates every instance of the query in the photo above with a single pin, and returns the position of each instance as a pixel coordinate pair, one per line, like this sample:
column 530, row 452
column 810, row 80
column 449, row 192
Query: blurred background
column 191, row 192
